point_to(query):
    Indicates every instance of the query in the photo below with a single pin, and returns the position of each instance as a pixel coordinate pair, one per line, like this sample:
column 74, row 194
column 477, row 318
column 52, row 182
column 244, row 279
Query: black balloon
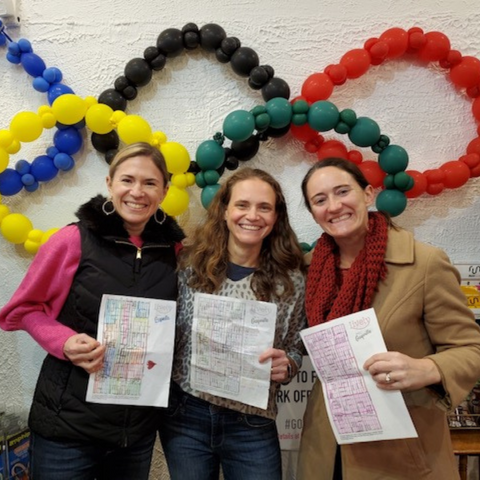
column 221, row 56
column 247, row 149
column 105, row 142
column 110, row 155
column 150, row 53
column 231, row 163
column 121, row 83
column 158, row 63
column 211, row 36
column 191, row 40
column 276, row 132
column 258, row 78
column 221, row 169
column 130, row 93
column 194, row 168
column 113, row 99
column 243, row 61
column 276, row 87
column 230, row 44
column 269, row 70
column 138, row 72
column 170, row 42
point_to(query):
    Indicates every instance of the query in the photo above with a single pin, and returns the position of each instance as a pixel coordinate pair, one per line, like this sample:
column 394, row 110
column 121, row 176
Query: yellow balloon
column 46, row 236
column 6, row 138
column 31, row 246
column 176, row 201
column 133, row 128
column 35, row 235
column 3, row 159
column 15, row 227
column 14, row 147
column 190, row 179
column 48, row 120
column 98, row 118
column 26, row 126
column 176, row 156
column 69, row 109
column 179, row 180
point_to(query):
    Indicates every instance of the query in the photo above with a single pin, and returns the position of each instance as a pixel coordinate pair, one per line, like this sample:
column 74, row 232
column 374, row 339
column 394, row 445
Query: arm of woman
column 37, row 302
column 287, row 361
column 454, row 364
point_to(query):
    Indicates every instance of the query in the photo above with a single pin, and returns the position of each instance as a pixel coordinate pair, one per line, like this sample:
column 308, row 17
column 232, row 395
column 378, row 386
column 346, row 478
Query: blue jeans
column 51, row 460
column 198, row 437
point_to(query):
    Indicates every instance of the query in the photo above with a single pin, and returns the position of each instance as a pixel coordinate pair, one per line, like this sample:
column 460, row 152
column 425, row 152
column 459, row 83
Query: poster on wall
column 291, row 402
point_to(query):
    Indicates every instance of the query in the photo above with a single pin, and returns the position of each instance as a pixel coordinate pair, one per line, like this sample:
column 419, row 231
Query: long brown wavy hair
column 280, row 253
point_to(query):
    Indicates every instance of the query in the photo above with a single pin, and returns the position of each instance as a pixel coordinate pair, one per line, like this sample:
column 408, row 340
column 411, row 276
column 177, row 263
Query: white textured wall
column 91, row 41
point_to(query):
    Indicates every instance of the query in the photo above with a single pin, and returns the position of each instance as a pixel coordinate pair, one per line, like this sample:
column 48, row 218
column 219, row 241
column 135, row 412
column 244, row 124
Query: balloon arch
column 305, row 117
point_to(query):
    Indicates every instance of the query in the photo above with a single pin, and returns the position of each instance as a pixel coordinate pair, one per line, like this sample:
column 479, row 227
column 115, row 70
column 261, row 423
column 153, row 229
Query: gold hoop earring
column 160, row 222
column 104, row 207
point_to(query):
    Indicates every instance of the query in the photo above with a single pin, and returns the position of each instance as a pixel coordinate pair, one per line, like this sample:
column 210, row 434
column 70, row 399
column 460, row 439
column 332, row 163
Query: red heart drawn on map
column 150, row 364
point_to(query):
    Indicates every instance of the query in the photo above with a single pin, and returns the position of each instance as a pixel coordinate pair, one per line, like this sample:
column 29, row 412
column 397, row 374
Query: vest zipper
column 138, row 260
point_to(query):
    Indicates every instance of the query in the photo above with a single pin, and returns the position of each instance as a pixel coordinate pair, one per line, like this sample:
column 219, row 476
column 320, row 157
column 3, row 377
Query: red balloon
column 332, row 148
column 317, row 86
column 373, row 173
column 378, row 52
column 471, row 160
column 436, row 47
column 474, row 146
column 355, row 156
column 456, row 174
column 467, row 73
column 419, row 185
column 356, row 62
column 337, row 73
column 397, row 41
column 304, row 133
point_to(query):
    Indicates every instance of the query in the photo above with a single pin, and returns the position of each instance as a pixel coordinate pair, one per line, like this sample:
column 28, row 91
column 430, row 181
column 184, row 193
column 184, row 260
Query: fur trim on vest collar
column 91, row 216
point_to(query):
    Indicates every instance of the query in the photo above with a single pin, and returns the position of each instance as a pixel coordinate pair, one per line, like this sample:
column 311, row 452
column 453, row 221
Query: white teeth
column 136, row 206
column 339, row 219
column 250, row 227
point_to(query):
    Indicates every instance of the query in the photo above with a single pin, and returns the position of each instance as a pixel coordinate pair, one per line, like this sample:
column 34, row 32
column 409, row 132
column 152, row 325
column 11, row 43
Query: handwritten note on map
column 139, row 335
column 357, row 409
column 228, row 336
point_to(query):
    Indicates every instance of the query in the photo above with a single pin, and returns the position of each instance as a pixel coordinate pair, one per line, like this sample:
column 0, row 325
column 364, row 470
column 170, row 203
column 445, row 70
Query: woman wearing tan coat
column 433, row 342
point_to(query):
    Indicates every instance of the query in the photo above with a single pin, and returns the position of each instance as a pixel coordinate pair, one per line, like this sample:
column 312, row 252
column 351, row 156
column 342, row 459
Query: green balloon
column 365, row 132
column 348, row 116
column 210, row 155
column 211, row 177
column 299, row 119
column 393, row 159
column 280, row 111
column 262, row 121
column 300, row 106
column 208, row 193
column 258, row 110
column 402, row 181
column 239, row 125
column 200, row 180
column 393, row 202
column 342, row 127
column 323, row 116
column 389, row 181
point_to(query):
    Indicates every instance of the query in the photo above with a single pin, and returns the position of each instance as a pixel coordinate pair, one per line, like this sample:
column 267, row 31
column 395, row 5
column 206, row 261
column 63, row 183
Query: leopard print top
column 290, row 320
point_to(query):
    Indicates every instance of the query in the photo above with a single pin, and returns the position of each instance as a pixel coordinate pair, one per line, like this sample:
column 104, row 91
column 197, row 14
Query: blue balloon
column 56, row 90
column 40, row 84
column 13, row 58
column 63, row 162
column 43, row 168
column 10, row 182
column 33, row 64
column 14, row 49
column 22, row 167
column 52, row 75
column 31, row 188
column 28, row 179
column 68, row 140
column 24, row 45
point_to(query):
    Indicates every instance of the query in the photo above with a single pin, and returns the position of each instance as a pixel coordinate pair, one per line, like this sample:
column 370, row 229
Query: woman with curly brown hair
column 246, row 249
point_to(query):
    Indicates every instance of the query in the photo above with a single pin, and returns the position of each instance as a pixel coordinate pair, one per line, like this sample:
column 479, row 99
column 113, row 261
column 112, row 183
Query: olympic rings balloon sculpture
column 305, row 117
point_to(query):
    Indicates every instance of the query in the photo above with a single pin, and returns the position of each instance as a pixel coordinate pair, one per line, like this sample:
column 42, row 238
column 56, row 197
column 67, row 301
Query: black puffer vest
column 109, row 264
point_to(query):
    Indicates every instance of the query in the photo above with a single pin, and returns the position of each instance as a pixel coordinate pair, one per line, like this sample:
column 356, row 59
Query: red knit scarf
column 324, row 300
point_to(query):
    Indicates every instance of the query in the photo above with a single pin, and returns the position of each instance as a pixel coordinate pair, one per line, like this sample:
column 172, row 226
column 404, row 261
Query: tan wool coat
column 422, row 313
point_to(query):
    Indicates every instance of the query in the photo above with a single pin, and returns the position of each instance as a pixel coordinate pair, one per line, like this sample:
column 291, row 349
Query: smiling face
column 137, row 188
column 250, row 214
column 338, row 203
